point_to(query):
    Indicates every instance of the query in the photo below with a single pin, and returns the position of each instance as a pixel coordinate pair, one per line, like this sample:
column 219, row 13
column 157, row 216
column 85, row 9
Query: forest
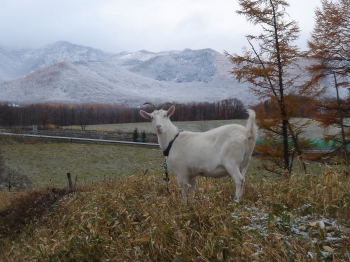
column 59, row 115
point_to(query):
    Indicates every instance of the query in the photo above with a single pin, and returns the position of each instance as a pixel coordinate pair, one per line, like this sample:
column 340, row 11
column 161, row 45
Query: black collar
column 167, row 150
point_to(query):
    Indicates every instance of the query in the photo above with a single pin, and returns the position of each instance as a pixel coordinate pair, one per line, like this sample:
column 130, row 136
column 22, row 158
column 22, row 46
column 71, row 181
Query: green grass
column 182, row 125
column 47, row 162
column 312, row 131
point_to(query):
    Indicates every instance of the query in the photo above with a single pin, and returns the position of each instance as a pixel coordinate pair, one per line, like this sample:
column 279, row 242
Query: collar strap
column 167, row 150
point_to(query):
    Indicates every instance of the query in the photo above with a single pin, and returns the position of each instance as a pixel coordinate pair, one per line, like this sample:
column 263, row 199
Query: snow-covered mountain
column 15, row 63
column 65, row 72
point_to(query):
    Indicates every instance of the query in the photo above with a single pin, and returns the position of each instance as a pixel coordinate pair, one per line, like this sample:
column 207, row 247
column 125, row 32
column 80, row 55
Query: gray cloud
column 131, row 25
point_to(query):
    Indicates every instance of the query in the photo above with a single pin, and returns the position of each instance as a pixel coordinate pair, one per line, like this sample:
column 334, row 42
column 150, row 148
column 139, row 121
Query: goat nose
column 158, row 126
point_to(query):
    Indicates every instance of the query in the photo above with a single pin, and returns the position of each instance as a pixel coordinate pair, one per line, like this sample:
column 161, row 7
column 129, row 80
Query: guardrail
column 83, row 139
column 310, row 151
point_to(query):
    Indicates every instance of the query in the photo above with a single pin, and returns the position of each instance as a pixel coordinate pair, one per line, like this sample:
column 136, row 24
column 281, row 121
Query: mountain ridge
column 65, row 72
column 70, row 73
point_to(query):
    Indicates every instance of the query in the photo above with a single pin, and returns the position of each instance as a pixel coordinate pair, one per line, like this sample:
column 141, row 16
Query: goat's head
column 160, row 118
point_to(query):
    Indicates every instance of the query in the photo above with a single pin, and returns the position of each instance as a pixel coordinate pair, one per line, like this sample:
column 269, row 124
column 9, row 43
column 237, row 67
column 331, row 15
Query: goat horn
column 151, row 104
column 165, row 104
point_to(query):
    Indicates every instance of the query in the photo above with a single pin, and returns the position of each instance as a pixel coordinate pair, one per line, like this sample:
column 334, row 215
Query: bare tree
column 12, row 178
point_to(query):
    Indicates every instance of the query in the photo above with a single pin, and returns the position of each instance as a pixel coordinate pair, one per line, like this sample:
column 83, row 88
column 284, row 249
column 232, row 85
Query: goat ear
column 171, row 111
column 145, row 115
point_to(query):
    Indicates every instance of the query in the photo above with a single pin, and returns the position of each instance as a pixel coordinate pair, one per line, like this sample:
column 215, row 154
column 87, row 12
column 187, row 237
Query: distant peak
column 60, row 43
column 64, row 42
column 70, row 45
column 145, row 51
column 199, row 50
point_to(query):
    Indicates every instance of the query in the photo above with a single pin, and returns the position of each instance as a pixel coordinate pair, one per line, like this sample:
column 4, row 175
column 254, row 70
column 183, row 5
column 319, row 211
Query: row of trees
column 266, row 66
column 90, row 114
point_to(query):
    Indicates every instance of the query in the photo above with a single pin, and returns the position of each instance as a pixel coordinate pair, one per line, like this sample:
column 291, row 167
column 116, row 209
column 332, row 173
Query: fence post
column 70, row 184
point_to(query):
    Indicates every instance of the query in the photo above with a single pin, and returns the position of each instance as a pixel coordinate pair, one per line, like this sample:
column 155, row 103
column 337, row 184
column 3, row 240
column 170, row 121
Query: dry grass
column 7, row 197
column 305, row 218
column 134, row 218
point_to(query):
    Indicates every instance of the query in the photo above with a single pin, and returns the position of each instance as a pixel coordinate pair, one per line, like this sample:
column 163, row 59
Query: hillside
column 64, row 72
column 17, row 63
column 69, row 73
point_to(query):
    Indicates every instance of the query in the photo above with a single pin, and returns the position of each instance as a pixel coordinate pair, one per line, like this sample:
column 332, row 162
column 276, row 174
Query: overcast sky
column 132, row 25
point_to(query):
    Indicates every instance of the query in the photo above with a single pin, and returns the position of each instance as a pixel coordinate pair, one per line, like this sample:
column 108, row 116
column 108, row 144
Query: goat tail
column 251, row 127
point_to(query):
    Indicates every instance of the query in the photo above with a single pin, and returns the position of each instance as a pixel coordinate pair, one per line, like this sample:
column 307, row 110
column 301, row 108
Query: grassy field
column 185, row 125
column 137, row 219
column 120, row 214
column 47, row 162
column 312, row 131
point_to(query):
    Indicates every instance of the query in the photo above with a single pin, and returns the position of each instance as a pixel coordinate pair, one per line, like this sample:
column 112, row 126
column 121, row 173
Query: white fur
column 220, row 152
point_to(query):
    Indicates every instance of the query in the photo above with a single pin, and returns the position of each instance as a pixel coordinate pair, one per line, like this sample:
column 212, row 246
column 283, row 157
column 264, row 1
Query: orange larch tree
column 329, row 48
column 272, row 68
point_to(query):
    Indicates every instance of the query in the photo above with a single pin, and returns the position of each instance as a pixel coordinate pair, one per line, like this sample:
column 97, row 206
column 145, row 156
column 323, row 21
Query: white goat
column 220, row 152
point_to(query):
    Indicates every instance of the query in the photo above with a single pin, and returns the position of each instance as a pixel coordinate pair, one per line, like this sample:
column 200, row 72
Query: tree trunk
column 281, row 99
column 341, row 122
